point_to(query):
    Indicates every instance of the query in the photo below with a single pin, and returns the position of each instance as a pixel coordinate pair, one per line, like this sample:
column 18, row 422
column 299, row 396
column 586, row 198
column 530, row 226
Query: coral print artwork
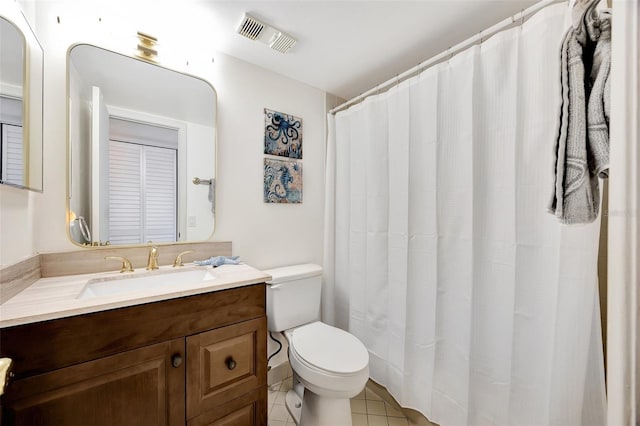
column 282, row 134
column 282, row 181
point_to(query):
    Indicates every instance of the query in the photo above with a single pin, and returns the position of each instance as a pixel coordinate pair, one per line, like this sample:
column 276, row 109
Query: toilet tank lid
column 295, row 272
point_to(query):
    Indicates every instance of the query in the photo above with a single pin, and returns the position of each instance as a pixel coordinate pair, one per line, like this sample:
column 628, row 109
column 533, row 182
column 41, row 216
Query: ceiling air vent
column 282, row 42
column 253, row 29
column 250, row 27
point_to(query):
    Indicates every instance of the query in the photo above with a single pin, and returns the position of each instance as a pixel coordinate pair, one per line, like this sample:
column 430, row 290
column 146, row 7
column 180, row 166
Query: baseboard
column 278, row 373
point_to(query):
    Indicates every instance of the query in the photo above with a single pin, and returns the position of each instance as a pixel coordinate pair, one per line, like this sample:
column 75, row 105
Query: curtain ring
column 450, row 55
column 480, row 33
column 522, row 17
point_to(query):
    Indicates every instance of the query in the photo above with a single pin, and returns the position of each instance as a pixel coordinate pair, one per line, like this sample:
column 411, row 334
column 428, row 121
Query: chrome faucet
column 152, row 263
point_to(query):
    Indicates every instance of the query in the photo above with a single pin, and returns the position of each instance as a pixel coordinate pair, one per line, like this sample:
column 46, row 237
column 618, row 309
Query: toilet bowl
column 329, row 365
column 329, row 361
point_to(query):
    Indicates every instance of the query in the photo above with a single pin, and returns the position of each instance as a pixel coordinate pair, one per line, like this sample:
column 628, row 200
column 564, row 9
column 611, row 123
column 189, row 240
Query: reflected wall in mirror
column 20, row 104
column 138, row 135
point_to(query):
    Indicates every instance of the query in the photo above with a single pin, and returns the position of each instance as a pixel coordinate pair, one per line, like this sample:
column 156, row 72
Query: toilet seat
column 329, row 349
column 314, row 353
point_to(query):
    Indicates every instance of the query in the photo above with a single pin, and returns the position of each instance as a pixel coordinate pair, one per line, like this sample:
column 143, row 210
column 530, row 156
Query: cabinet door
column 224, row 364
column 138, row 387
column 249, row 409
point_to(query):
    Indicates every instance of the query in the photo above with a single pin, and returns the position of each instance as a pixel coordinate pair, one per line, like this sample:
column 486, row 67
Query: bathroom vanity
column 191, row 357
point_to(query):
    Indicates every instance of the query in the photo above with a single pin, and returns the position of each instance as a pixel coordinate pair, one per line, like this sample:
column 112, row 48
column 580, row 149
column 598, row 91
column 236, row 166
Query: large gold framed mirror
column 21, row 84
column 142, row 151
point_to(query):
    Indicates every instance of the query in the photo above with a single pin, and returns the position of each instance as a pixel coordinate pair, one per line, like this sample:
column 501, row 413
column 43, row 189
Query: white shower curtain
column 623, row 324
column 477, row 307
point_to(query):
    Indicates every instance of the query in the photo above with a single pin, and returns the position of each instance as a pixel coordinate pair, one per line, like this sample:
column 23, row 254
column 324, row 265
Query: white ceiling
column 347, row 47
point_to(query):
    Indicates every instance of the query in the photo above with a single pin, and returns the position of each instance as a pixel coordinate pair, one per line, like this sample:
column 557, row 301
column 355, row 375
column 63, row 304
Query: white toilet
column 329, row 365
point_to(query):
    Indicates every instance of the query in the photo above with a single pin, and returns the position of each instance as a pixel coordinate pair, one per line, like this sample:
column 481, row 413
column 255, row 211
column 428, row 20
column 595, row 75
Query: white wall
column 17, row 218
column 200, row 151
column 264, row 235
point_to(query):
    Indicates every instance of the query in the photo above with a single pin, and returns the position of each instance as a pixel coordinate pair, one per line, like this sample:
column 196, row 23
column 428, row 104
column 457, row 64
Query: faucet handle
column 126, row 264
column 178, row 261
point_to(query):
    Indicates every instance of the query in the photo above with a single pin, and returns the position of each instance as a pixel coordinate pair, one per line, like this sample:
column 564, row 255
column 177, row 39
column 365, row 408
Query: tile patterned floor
column 367, row 409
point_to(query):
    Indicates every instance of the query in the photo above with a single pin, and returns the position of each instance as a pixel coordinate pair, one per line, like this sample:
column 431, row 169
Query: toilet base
column 317, row 410
column 294, row 405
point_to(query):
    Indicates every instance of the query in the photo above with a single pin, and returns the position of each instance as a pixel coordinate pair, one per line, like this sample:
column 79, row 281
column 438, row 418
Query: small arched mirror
column 142, row 145
column 20, row 103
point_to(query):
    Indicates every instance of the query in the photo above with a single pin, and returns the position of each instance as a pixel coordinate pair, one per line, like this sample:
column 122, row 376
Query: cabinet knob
column 231, row 364
column 176, row 360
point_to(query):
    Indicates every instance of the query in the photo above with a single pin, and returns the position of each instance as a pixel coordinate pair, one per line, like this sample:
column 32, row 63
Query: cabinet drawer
column 224, row 364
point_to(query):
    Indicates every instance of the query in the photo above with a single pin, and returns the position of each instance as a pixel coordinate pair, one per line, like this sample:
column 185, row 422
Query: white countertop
column 57, row 297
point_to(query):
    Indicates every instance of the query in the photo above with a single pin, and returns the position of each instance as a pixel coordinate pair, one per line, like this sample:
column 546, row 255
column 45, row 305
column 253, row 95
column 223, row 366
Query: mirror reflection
column 142, row 144
column 12, row 47
column 20, row 106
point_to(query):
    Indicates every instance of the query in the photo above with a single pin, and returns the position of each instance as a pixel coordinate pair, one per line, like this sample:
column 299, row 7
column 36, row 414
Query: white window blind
column 125, row 193
column 12, row 154
column 10, row 110
column 160, row 194
column 143, row 133
column 142, row 193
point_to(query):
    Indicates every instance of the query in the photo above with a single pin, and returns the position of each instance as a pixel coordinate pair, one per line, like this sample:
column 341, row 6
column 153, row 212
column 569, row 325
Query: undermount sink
column 153, row 280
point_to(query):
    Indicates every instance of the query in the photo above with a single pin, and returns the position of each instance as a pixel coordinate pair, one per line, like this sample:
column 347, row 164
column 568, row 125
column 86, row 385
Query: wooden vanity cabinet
column 198, row 360
column 137, row 387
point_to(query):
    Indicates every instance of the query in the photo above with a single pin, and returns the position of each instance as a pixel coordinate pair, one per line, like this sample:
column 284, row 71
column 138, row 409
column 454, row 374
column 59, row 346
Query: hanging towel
column 216, row 261
column 212, row 195
column 582, row 144
column 598, row 105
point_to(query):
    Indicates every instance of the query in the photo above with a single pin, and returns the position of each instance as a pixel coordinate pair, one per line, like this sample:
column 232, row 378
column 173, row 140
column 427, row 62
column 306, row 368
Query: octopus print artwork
column 282, row 181
column 282, row 134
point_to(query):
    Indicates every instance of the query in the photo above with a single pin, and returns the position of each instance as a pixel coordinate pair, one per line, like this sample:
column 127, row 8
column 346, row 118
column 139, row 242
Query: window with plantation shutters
column 125, row 193
column 159, row 194
column 12, row 154
column 142, row 185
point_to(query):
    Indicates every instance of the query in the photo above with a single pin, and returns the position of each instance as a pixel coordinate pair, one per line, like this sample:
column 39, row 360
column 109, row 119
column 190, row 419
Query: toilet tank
column 293, row 296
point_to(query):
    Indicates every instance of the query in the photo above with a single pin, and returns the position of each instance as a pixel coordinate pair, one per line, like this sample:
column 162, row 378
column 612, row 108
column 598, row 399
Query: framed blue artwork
column 282, row 134
column 282, row 181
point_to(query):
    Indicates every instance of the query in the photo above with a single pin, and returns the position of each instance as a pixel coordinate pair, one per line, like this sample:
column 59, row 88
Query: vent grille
column 253, row 29
column 250, row 27
column 282, row 42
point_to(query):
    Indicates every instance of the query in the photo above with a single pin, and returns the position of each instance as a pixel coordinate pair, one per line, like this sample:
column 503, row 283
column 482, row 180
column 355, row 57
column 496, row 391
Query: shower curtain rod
column 482, row 35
